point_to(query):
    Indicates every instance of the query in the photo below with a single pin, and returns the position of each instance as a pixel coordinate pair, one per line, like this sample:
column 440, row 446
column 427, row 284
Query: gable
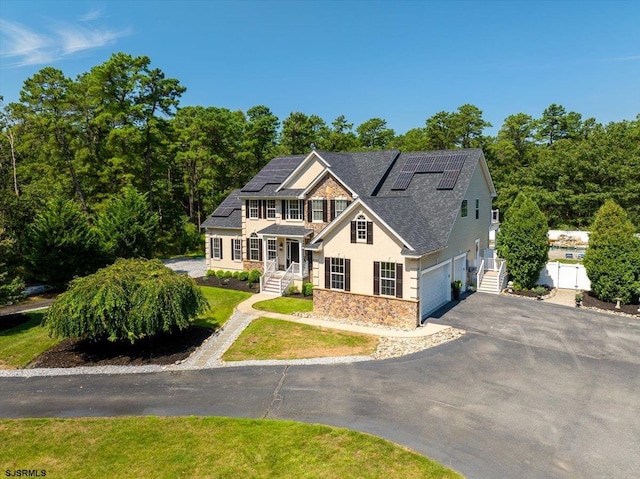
column 305, row 173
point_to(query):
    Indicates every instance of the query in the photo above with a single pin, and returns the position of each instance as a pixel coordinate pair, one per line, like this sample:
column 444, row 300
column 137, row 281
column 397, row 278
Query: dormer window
column 362, row 230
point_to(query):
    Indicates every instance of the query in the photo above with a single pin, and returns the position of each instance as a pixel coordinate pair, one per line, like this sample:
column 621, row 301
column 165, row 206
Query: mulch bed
column 531, row 294
column 9, row 321
column 590, row 301
column 162, row 349
column 228, row 283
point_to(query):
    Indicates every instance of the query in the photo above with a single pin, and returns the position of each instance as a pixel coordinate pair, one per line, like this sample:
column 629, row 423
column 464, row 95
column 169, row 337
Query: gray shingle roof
column 228, row 215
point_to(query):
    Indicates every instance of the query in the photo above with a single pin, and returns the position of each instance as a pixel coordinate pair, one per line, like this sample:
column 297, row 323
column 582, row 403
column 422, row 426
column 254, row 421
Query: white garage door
column 460, row 271
column 435, row 288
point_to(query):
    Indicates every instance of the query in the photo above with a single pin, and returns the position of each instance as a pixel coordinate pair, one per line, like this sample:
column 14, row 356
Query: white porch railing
column 493, row 264
column 502, row 273
column 287, row 277
column 269, row 271
column 305, row 270
column 480, row 274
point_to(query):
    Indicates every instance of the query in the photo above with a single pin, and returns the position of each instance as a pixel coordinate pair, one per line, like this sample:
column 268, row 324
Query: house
column 380, row 234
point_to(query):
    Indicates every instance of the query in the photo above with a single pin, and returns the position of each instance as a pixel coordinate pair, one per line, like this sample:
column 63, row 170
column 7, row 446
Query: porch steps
column 490, row 283
column 272, row 286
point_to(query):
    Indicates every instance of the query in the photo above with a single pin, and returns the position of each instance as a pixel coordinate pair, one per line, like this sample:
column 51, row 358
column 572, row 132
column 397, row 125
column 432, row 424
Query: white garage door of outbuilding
column 435, row 288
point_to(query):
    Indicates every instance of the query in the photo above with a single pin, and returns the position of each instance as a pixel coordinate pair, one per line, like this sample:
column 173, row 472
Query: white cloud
column 90, row 16
column 28, row 47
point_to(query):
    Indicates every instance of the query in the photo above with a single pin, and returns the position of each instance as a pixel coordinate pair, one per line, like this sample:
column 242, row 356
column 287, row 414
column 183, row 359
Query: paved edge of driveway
column 209, row 354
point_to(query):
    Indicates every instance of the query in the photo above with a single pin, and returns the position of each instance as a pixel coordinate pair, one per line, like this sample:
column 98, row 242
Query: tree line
column 120, row 125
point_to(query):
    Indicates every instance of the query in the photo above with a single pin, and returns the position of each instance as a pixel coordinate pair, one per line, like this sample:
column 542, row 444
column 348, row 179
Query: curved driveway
column 532, row 391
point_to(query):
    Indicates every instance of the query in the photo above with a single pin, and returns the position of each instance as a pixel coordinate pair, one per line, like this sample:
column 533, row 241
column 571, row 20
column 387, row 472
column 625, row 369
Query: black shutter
column 333, row 209
column 260, row 211
column 246, row 209
column 327, row 273
column 309, row 212
column 233, row 251
column 348, row 203
column 353, row 231
column 398, row 280
column 301, row 202
column 324, row 211
column 248, row 249
column 376, row 277
column 211, row 247
column 347, row 275
column 369, row 232
column 283, row 209
column 220, row 241
column 310, row 261
column 259, row 250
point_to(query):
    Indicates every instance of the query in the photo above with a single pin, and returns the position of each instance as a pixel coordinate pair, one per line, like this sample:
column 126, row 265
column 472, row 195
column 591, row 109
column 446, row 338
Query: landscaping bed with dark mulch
column 590, row 301
column 529, row 293
column 228, row 283
column 162, row 349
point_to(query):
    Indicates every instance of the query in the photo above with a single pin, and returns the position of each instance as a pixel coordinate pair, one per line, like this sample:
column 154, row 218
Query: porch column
column 301, row 258
column 264, row 253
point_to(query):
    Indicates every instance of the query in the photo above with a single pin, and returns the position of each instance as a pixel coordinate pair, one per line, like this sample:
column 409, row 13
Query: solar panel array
column 275, row 172
column 449, row 165
column 231, row 203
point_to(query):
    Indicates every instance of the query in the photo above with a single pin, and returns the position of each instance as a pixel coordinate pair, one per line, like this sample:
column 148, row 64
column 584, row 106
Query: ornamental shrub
column 243, row 275
column 131, row 299
column 228, row 274
column 612, row 259
column 522, row 241
column 220, row 274
column 307, row 289
column 254, row 275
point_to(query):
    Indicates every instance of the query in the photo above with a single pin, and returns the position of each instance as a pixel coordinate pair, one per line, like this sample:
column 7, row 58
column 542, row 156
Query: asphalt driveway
column 533, row 391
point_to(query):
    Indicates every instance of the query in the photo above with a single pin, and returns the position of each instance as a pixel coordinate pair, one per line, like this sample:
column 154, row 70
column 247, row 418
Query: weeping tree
column 522, row 241
column 129, row 300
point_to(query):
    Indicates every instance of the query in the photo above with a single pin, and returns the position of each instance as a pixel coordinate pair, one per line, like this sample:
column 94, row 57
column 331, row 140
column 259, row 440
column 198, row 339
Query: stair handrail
column 287, row 277
column 480, row 274
column 501, row 274
column 268, row 273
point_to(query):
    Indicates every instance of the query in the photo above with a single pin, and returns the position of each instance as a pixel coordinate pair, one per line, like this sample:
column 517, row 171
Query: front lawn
column 222, row 302
column 267, row 338
column 20, row 344
column 153, row 447
column 284, row 305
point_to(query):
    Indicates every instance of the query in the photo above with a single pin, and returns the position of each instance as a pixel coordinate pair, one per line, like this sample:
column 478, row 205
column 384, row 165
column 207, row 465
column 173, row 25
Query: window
column 338, row 207
column 272, row 251
column 463, row 209
column 317, row 211
column 254, row 209
column 216, row 248
column 361, row 229
column 254, row 248
column 236, row 245
column 388, row 279
column 271, row 209
column 293, row 210
column 337, row 273
column 477, row 208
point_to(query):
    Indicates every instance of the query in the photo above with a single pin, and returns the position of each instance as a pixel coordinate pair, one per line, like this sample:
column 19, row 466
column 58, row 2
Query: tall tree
column 441, row 131
column 612, row 259
column 522, row 241
column 374, row 134
column 341, row 136
column 297, row 133
column 469, row 126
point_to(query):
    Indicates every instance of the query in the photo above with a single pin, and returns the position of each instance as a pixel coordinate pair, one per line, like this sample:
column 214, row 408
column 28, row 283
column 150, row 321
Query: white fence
column 565, row 276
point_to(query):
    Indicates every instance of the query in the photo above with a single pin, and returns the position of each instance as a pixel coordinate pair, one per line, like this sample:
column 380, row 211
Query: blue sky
column 401, row 61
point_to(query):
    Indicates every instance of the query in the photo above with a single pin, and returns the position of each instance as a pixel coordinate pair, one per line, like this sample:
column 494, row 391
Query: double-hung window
column 271, row 209
column 463, row 209
column 361, row 229
column 254, row 248
column 216, row 248
column 339, row 207
column 254, row 209
column 317, row 211
column 272, row 251
column 294, row 210
column 337, row 273
column 236, row 243
column 388, row 279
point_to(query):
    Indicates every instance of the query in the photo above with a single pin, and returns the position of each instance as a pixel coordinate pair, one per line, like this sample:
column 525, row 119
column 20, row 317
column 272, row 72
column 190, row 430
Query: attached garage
column 435, row 288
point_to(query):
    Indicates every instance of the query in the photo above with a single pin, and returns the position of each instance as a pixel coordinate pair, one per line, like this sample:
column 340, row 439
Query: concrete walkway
column 564, row 297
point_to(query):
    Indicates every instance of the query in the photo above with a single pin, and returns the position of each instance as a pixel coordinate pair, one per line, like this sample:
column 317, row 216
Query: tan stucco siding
column 306, row 175
column 226, row 263
column 384, row 248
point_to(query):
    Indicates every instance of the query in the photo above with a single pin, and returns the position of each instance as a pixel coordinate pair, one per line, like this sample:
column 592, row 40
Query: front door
column 293, row 252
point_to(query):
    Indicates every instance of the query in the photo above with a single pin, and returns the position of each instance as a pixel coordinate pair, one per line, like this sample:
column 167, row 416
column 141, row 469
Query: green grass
column 21, row 344
column 222, row 302
column 285, row 305
column 152, row 447
column 267, row 338
column 568, row 261
column 192, row 255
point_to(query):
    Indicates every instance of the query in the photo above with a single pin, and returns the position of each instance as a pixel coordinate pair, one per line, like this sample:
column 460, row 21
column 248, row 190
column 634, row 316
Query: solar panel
column 429, row 165
column 274, row 172
column 448, row 180
column 411, row 165
column 402, row 182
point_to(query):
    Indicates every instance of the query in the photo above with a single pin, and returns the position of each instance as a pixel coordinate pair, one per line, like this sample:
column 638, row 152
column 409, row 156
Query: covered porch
column 285, row 258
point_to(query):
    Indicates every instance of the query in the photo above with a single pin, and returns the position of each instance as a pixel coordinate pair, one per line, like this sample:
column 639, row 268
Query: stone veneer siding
column 249, row 265
column 328, row 189
column 366, row 309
